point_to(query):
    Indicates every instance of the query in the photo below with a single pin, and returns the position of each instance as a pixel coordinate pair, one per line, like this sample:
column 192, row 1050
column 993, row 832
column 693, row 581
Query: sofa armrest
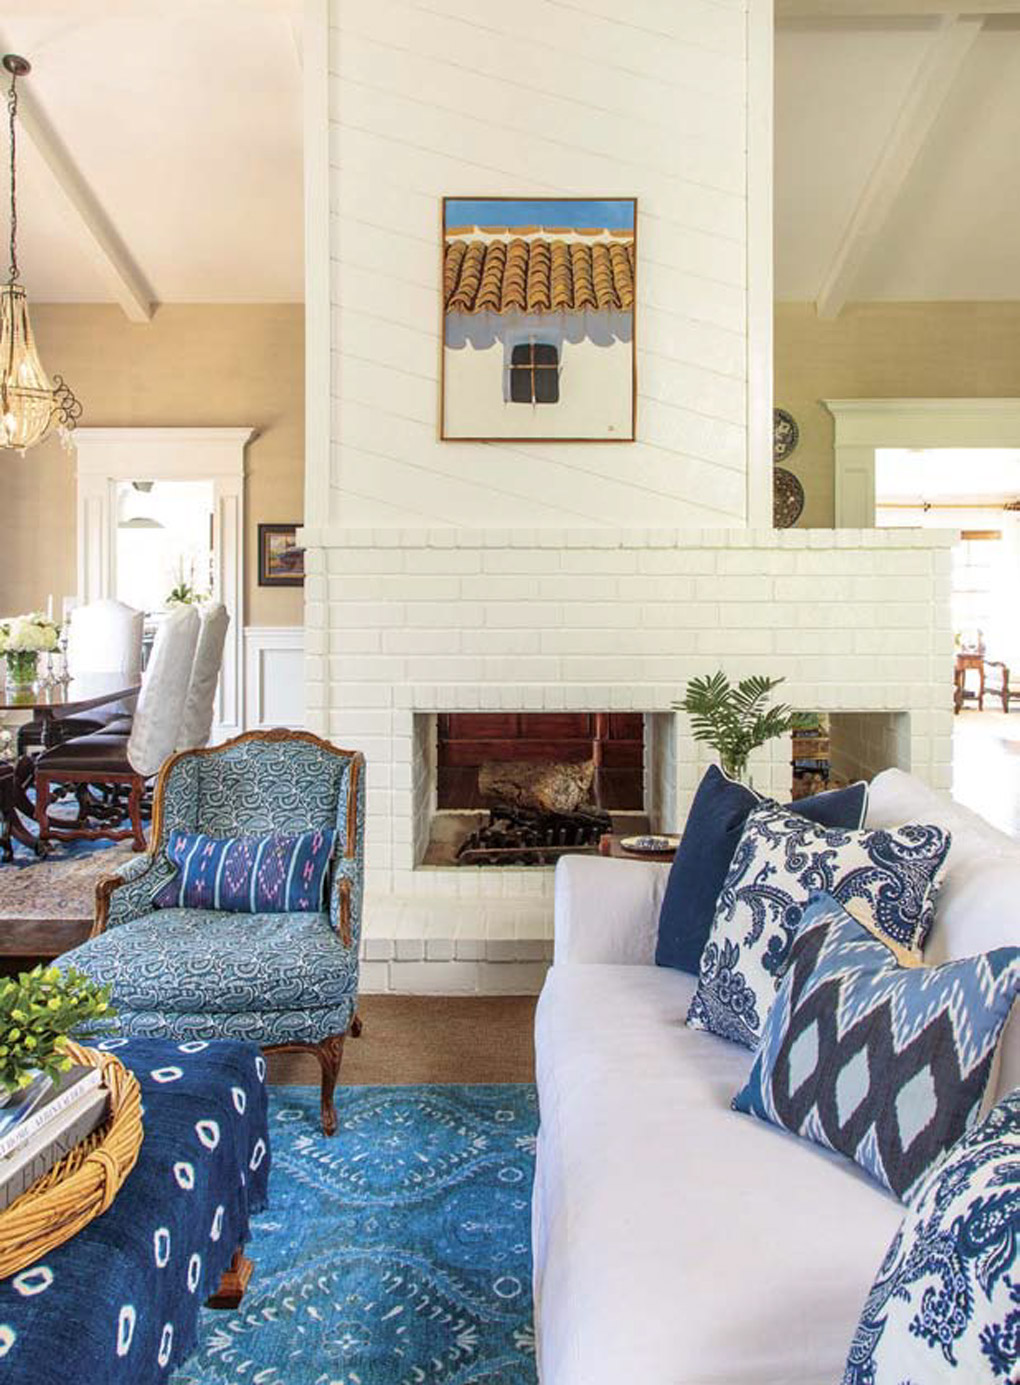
column 608, row 910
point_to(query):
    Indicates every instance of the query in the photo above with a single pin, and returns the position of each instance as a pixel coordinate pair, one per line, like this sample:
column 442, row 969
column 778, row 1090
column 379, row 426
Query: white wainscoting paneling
column 274, row 683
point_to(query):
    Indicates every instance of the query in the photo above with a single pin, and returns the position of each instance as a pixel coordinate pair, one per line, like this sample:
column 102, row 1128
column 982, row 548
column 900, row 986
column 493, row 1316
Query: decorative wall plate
column 785, row 434
column 787, row 498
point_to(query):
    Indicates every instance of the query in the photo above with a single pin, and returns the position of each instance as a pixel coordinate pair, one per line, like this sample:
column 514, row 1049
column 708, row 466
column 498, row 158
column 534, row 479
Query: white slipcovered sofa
column 675, row 1241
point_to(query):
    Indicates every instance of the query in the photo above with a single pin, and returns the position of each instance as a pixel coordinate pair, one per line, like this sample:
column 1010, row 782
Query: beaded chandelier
column 30, row 406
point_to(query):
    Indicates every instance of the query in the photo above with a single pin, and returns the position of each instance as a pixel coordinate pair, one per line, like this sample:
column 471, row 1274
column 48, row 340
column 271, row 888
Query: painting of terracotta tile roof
column 538, row 274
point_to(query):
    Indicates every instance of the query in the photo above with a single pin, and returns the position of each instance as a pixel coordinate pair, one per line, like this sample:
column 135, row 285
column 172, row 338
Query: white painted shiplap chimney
column 458, row 576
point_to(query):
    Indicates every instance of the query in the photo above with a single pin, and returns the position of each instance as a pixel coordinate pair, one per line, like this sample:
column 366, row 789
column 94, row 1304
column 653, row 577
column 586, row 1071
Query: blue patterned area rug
column 396, row 1253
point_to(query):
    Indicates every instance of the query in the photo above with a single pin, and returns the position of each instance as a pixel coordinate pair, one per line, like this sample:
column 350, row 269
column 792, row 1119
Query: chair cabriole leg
column 330, row 1054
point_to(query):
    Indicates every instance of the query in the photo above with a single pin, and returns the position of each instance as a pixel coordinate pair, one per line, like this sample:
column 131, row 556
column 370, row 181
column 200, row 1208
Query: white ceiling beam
column 890, row 9
column 72, row 9
column 924, row 99
column 69, row 192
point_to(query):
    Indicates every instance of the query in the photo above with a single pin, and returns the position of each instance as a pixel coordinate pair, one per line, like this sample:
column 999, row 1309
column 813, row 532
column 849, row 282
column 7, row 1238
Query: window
column 535, row 374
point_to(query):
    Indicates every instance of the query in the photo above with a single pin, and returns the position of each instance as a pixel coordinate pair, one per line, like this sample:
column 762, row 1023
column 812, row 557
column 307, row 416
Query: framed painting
column 538, row 304
column 281, row 561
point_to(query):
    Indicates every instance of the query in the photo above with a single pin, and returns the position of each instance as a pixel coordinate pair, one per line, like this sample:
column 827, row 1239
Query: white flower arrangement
column 33, row 633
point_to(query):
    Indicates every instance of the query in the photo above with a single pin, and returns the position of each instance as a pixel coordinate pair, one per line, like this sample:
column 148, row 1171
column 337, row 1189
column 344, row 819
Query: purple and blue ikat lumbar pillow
column 277, row 873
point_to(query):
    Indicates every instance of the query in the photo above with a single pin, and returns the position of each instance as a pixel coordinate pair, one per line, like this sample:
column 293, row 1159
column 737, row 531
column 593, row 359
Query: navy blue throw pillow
column 714, row 827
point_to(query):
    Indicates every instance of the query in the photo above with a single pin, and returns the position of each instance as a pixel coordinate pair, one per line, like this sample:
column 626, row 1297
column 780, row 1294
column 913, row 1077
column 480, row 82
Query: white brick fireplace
column 415, row 603
column 403, row 624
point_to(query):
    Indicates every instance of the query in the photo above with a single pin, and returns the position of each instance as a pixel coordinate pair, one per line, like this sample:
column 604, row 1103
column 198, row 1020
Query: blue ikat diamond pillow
column 892, row 874
column 888, row 1065
column 276, row 873
column 945, row 1305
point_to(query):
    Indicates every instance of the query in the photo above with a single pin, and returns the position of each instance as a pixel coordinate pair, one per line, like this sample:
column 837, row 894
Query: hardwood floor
column 409, row 1039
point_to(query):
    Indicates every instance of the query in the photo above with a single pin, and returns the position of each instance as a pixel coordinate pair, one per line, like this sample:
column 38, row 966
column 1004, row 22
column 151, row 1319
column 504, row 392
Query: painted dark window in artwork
column 535, row 373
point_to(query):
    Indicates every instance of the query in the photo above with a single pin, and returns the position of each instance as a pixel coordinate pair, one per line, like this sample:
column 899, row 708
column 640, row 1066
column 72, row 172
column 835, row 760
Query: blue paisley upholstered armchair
column 285, row 981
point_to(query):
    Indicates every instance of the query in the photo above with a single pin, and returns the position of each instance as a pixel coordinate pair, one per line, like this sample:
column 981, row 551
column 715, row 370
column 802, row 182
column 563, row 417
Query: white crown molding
column 926, row 422
column 138, row 453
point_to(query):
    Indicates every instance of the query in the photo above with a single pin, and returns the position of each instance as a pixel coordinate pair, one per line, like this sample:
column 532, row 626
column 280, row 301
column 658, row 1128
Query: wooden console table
column 967, row 663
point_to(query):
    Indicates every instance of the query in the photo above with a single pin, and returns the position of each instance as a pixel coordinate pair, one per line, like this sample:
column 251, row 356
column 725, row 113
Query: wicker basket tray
column 84, row 1183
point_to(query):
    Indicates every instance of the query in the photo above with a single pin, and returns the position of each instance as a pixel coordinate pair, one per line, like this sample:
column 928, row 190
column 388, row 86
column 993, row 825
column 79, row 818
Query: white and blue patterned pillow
column 885, row 1064
column 780, row 861
column 945, row 1305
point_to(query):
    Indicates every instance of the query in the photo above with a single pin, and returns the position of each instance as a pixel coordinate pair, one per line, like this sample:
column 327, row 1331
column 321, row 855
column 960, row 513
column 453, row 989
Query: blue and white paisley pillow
column 945, row 1305
column 780, row 861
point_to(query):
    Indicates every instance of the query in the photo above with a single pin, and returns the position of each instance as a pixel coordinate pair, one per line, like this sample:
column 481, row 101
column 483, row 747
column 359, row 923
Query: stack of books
column 44, row 1122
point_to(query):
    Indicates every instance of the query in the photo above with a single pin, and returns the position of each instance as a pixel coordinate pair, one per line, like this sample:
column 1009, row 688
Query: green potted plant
column 38, row 1010
column 736, row 720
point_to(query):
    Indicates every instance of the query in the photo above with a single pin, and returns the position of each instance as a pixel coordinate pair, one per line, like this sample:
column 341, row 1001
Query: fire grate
column 525, row 837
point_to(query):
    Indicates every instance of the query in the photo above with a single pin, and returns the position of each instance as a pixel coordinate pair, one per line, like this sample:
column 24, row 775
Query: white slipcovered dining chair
column 107, row 758
column 103, row 636
column 196, row 723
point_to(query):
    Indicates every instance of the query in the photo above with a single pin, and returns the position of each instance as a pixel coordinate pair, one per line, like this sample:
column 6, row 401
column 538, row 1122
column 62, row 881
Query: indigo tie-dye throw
column 118, row 1304
column 945, row 1305
column 279, row 873
column 886, row 1064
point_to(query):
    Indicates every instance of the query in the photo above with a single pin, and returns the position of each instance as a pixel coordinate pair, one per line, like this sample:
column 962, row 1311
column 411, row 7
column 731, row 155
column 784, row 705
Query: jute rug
column 399, row 1251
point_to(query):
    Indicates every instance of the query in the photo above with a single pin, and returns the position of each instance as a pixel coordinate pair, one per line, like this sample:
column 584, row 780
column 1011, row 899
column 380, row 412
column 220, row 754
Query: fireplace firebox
column 524, row 788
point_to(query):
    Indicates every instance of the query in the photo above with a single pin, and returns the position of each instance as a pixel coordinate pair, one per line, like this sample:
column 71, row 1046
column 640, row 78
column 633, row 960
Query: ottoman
column 119, row 1302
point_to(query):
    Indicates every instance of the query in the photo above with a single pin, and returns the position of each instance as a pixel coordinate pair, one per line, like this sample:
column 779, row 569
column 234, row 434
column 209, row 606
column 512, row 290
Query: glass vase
column 22, row 669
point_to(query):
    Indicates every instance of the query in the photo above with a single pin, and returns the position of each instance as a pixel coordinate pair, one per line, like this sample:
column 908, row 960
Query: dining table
column 49, row 705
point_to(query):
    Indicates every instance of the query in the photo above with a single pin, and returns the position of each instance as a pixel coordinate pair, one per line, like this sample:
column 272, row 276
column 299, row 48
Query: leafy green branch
column 38, row 1009
column 736, row 720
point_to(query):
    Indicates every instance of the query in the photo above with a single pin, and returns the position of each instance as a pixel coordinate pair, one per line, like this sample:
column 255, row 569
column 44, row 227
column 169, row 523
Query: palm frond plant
column 736, row 720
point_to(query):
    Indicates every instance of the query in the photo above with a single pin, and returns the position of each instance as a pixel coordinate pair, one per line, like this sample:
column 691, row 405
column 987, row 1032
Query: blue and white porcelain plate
column 657, row 843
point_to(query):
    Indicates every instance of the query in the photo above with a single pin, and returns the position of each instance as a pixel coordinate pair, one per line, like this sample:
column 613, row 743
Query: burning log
column 548, row 787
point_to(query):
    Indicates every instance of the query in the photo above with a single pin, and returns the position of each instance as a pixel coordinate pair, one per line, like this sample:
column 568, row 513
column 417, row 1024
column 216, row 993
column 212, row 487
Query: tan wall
column 191, row 366
column 890, row 350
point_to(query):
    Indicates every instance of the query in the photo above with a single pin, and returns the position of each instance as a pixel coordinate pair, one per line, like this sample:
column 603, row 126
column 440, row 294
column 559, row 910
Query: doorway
column 164, row 547
column 975, row 491
column 161, row 509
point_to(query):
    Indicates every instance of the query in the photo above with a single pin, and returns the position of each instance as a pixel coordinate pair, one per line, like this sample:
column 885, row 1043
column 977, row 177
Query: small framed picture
column 281, row 561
